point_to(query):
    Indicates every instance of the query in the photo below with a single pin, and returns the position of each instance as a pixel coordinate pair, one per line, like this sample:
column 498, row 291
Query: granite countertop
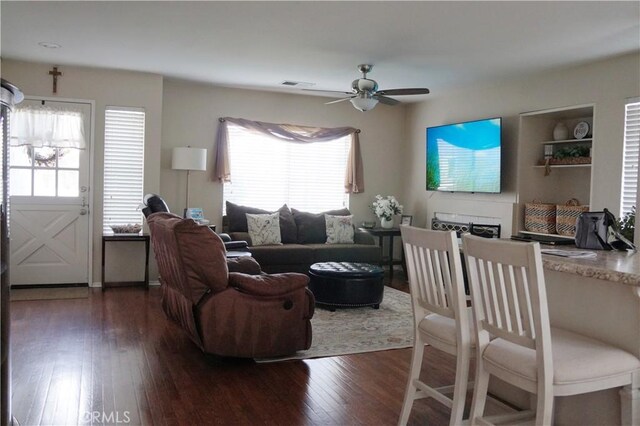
column 615, row 266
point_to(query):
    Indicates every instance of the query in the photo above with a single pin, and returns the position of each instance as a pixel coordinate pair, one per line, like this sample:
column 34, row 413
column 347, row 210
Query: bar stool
column 441, row 317
column 510, row 305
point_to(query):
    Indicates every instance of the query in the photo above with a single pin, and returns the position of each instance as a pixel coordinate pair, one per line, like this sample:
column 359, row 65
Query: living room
column 183, row 110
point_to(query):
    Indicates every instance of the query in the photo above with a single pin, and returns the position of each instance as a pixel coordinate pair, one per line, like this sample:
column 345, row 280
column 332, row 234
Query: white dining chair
column 441, row 317
column 516, row 343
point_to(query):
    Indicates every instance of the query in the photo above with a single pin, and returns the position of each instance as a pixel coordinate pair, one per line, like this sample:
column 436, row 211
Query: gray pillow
column 237, row 216
column 288, row 228
column 312, row 227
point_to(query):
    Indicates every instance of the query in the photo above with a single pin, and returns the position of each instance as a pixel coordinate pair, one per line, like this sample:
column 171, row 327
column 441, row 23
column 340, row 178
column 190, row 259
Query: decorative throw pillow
column 264, row 229
column 339, row 229
column 312, row 227
column 236, row 216
column 288, row 228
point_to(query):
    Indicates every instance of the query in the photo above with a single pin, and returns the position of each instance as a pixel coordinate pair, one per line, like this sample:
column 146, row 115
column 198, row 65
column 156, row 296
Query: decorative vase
column 386, row 223
column 560, row 132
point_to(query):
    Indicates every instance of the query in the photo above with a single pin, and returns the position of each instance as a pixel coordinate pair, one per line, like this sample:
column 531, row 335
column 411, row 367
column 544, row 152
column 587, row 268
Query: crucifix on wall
column 55, row 74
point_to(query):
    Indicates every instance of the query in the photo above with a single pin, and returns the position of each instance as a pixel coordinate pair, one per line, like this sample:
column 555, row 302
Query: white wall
column 190, row 117
column 606, row 84
column 105, row 87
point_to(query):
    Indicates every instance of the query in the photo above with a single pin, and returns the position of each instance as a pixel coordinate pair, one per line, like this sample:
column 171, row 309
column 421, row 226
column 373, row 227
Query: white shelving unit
column 567, row 141
column 565, row 181
column 560, row 166
column 546, row 235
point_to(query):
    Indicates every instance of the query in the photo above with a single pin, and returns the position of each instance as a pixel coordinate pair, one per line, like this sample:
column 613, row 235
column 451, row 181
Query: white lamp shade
column 363, row 103
column 189, row 159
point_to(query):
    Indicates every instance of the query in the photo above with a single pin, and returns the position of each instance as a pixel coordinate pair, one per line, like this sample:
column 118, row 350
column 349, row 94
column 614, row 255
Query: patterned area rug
column 49, row 293
column 358, row 330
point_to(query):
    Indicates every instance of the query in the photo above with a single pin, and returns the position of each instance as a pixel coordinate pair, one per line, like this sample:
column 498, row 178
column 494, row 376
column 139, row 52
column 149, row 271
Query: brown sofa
column 303, row 240
column 227, row 313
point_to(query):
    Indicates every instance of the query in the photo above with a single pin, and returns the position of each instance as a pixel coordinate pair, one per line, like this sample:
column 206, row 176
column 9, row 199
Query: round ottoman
column 346, row 284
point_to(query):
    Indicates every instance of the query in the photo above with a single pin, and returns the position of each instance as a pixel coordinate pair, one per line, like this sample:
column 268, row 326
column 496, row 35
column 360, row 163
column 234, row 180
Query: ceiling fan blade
column 401, row 92
column 339, row 100
column 328, row 91
column 385, row 100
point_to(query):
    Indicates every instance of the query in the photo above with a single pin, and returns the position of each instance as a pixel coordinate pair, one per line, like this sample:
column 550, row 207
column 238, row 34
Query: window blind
column 267, row 172
column 123, row 165
column 630, row 156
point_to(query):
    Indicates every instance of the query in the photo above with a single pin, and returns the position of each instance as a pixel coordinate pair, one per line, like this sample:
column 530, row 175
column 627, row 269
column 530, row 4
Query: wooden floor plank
column 116, row 353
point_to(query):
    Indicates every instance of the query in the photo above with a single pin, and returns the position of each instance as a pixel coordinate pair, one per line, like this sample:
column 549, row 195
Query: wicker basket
column 566, row 216
column 540, row 217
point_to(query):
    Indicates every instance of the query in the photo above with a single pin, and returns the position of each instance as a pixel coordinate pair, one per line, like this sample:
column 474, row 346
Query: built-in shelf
column 547, row 235
column 566, row 181
column 567, row 141
column 558, row 166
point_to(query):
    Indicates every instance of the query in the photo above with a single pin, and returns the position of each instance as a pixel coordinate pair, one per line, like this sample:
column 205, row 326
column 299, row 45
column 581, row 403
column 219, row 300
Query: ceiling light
column 49, row 45
column 363, row 102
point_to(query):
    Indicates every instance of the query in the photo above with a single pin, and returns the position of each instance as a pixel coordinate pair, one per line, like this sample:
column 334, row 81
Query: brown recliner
column 227, row 313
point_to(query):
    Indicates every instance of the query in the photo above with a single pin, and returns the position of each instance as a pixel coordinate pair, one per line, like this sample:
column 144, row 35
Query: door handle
column 83, row 212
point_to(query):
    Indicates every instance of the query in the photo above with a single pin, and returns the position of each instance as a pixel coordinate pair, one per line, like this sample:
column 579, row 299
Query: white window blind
column 123, row 165
column 267, row 172
column 630, row 156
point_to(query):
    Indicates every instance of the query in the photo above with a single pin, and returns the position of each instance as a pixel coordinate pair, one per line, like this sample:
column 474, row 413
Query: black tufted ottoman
column 346, row 284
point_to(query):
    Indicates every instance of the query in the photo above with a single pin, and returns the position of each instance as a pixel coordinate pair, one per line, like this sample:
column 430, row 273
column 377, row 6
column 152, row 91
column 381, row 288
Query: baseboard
column 24, row 286
column 98, row 284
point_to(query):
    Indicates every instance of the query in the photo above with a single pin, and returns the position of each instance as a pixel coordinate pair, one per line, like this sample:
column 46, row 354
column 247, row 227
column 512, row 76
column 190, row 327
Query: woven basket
column 540, row 217
column 566, row 216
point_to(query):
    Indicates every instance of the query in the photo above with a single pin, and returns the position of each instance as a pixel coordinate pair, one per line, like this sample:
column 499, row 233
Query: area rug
column 22, row 294
column 359, row 330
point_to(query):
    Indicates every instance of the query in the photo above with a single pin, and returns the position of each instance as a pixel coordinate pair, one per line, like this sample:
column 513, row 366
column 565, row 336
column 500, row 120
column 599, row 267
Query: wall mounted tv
column 464, row 157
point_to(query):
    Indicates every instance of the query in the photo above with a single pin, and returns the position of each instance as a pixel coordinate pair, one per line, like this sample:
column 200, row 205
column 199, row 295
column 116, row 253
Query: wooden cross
column 55, row 74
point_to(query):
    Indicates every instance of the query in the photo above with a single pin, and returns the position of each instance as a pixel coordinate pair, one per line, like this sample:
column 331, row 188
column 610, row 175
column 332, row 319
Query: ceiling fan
column 365, row 95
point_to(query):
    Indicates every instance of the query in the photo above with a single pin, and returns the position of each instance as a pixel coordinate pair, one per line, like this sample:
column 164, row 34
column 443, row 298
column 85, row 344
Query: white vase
column 560, row 132
column 386, row 223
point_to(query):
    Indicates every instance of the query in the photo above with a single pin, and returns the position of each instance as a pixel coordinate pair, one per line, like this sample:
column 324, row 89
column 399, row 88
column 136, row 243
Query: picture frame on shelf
column 194, row 213
column 406, row 220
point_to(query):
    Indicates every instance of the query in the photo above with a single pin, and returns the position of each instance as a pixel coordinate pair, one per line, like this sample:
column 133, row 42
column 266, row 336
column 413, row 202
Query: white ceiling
column 437, row 45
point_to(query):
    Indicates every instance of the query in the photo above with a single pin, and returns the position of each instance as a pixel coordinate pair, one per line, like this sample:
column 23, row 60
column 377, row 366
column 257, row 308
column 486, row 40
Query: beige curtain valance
column 354, row 180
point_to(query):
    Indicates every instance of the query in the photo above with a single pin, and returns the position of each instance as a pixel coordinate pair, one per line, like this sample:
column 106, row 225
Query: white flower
column 386, row 207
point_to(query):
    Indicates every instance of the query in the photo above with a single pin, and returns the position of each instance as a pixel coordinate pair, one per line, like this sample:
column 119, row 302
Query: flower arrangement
column 386, row 207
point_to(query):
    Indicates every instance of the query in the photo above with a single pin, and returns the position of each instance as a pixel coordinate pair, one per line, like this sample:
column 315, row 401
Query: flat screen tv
column 464, row 157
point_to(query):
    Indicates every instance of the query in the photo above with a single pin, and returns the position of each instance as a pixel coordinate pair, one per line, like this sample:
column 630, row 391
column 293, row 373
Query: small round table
column 346, row 284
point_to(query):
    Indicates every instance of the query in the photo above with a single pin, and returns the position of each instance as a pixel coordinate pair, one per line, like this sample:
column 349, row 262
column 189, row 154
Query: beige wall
column 181, row 113
column 106, row 88
column 188, row 112
column 606, row 84
column 190, row 117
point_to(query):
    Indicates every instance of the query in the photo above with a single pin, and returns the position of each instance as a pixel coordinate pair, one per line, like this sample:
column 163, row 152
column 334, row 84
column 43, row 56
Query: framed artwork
column 195, row 214
column 406, row 220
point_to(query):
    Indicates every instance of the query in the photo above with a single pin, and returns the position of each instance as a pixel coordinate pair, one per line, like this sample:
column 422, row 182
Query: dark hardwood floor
column 115, row 359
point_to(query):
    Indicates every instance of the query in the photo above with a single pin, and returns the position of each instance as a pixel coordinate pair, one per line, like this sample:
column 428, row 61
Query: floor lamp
column 187, row 158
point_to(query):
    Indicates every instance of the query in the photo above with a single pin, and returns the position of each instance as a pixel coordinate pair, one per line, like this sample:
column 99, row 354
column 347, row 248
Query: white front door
column 49, row 218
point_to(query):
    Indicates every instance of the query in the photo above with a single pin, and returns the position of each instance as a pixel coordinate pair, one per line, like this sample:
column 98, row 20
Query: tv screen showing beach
column 464, row 157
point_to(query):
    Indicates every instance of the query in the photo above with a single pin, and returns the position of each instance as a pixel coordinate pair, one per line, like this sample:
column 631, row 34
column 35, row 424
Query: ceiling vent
column 290, row 83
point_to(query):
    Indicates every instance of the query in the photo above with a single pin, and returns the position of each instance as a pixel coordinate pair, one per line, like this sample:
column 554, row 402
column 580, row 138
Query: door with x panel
column 49, row 218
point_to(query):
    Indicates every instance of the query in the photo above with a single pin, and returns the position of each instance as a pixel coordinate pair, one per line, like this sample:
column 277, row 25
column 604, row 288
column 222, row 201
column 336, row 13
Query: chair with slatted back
column 441, row 317
column 510, row 305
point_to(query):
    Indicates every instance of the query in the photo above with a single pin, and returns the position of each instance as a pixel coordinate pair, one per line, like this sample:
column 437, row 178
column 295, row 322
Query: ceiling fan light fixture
column 364, row 103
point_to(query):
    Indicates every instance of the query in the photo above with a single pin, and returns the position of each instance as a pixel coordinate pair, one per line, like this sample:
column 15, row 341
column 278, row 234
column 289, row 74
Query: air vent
column 296, row 83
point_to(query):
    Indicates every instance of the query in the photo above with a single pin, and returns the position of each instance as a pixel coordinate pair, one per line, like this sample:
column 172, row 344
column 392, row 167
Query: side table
column 391, row 233
column 124, row 238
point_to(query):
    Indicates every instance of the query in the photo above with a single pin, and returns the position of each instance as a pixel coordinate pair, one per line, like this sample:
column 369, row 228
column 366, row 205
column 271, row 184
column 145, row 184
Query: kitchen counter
column 615, row 266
